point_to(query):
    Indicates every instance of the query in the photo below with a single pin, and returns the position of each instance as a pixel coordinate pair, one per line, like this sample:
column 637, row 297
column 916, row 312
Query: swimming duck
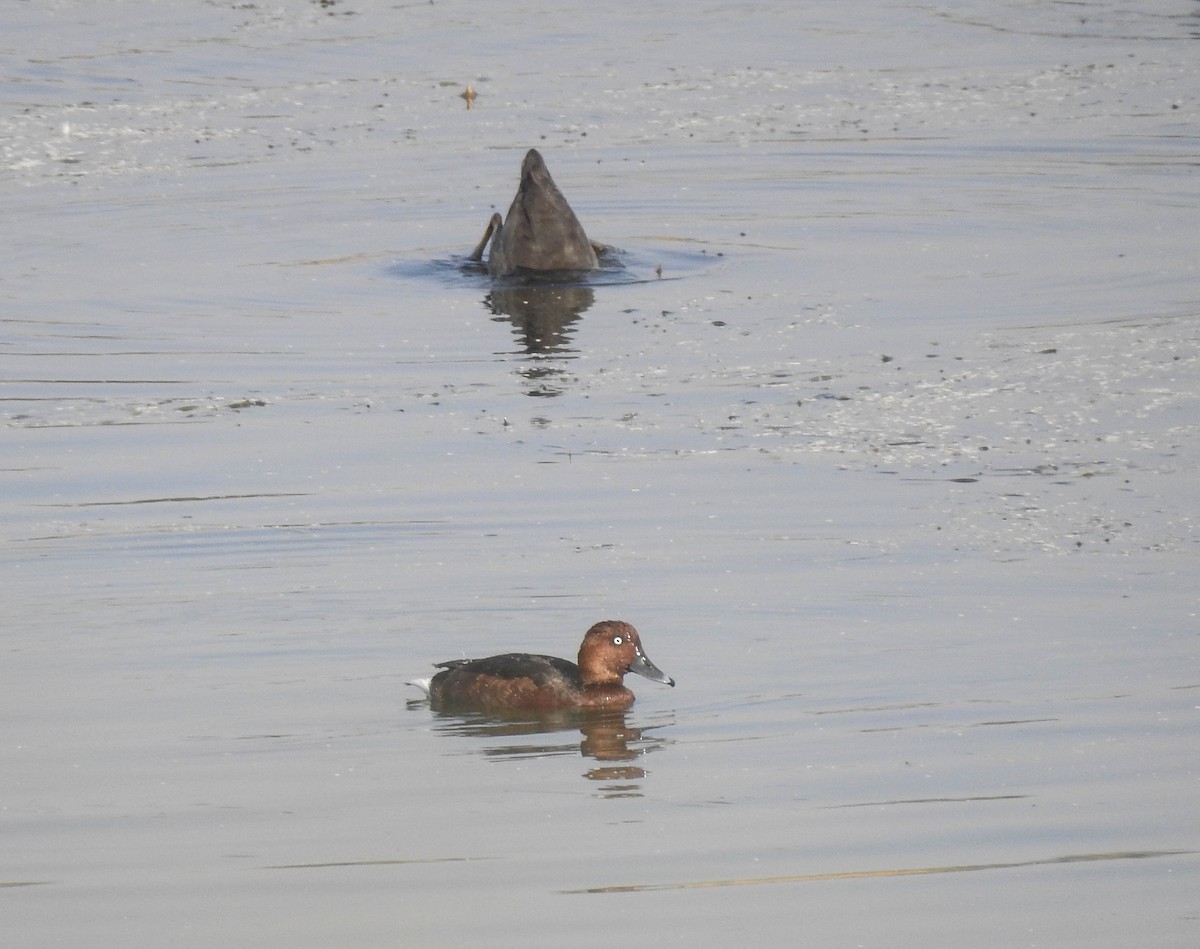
column 541, row 231
column 526, row 682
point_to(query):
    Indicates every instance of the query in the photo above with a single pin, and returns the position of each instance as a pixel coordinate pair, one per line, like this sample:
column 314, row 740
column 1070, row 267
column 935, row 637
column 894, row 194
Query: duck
column 541, row 232
column 526, row 682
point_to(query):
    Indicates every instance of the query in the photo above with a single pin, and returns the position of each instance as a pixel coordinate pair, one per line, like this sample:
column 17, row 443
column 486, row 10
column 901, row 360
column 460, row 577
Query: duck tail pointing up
column 422, row 684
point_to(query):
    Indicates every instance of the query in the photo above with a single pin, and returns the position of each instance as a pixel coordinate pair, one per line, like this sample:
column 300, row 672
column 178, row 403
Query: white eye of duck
column 616, row 640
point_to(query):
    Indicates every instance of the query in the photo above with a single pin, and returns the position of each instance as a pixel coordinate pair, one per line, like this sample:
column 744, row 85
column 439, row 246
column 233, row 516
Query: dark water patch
column 177, row 500
column 372, row 863
column 875, row 874
column 84, row 411
column 618, row 267
column 929, row 800
column 926, row 725
column 1070, row 21
column 221, row 540
column 1014, row 721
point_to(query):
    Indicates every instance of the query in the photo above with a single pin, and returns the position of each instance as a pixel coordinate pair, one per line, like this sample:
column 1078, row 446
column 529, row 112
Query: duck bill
column 644, row 667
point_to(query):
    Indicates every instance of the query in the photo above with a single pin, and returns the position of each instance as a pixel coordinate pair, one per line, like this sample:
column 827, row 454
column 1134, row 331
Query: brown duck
column 534, row 683
column 541, row 231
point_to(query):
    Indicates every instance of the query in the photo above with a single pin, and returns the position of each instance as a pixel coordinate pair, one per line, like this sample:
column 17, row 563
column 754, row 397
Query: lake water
column 885, row 435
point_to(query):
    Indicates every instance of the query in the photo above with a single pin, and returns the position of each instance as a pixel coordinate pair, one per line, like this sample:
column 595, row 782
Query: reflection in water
column 544, row 307
column 541, row 313
column 607, row 737
column 545, row 378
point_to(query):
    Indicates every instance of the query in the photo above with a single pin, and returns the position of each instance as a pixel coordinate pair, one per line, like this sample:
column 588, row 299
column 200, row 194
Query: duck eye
column 617, row 640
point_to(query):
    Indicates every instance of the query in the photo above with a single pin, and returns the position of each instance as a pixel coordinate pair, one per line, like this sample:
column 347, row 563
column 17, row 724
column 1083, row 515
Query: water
column 894, row 467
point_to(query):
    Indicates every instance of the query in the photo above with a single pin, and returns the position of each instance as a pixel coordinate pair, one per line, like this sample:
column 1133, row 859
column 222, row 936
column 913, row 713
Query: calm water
column 894, row 467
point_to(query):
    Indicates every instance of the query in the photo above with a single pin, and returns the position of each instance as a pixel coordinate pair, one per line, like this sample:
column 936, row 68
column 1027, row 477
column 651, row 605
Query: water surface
column 884, row 436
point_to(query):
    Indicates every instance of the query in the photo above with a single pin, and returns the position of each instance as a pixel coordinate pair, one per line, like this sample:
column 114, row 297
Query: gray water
column 884, row 435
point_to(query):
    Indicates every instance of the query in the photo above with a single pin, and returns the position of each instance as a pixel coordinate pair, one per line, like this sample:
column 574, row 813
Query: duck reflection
column 607, row 738
column 542, row 314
